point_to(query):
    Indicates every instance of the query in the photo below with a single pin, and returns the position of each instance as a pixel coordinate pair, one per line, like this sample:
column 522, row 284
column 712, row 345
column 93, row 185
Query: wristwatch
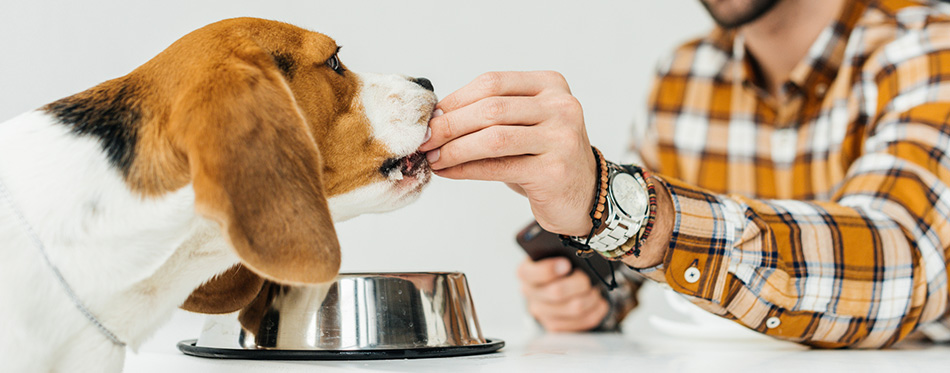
column 625, row 211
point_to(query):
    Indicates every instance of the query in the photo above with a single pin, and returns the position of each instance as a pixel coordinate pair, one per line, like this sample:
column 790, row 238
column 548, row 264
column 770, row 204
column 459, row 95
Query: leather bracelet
column 597, row 211
column 597, row 218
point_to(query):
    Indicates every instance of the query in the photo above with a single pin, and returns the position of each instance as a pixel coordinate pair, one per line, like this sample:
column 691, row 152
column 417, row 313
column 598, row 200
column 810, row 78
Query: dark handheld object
column 541, row 244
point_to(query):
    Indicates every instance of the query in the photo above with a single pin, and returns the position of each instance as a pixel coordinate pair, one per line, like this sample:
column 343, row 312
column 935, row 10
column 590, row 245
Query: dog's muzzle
column 409, row 165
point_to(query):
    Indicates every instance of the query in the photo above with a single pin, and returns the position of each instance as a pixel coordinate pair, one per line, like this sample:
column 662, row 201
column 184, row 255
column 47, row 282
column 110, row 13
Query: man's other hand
column 560, row 299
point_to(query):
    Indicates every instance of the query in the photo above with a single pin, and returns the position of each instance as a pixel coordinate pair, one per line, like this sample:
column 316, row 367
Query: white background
column 606, row 49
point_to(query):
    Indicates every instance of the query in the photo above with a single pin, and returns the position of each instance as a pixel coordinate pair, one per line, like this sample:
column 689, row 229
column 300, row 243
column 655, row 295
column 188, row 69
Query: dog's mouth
column 411, row 165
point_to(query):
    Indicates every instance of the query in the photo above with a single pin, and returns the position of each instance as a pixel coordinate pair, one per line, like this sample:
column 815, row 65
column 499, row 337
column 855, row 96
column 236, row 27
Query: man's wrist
column 654, row 249
column 624, row 216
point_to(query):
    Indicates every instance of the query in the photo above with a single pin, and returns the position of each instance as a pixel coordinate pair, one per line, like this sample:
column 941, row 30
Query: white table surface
column 645, row 345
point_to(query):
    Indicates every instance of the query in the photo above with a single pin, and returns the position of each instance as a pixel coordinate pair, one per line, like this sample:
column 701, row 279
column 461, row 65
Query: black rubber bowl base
column 188, row 347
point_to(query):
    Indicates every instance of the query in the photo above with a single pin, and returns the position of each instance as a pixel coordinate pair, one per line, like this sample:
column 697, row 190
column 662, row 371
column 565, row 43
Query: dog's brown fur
column 248, row 112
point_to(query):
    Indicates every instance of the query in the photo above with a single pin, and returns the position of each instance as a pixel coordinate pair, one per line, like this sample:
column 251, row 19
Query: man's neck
column 780, row 39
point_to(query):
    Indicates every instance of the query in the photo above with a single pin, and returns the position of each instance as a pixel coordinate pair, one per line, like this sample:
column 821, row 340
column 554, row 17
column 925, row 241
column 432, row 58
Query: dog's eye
column 334, row 63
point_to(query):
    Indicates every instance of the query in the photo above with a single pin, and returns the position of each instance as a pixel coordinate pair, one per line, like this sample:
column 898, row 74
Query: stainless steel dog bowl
column 358, row 316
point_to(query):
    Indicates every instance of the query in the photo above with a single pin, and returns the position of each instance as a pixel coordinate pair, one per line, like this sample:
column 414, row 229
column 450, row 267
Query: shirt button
column 820, row 89
column 773, row 322
column 692, row 275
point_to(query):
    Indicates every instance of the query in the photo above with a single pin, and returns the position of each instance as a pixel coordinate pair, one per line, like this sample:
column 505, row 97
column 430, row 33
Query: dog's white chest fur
column 83, row 212
column 249, row 148
column 82, row 200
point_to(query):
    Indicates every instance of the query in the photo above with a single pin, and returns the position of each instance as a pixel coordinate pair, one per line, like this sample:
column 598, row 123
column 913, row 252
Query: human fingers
column 504, row 83
column 587, row 320
column 571, row 308
column 487, row 112
column 536, row 273
column 511, row 169
column 492, row 142
column 560, row 290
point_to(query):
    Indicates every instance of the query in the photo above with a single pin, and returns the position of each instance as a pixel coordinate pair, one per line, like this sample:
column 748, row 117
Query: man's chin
column 732, row 14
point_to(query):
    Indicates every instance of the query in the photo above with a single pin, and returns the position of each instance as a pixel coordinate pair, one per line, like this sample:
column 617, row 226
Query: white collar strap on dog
column 5, row 195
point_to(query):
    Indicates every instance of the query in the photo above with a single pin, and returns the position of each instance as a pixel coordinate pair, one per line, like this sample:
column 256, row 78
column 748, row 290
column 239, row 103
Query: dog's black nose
column 425, row 83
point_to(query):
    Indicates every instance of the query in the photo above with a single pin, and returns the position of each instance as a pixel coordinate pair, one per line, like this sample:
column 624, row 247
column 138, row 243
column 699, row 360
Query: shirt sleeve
column 861, row 270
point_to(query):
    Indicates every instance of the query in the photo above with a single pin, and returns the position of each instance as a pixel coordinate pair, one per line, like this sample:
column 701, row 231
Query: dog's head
column 278, row 140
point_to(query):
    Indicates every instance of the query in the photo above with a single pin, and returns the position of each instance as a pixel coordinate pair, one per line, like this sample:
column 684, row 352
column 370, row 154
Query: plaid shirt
column 824, row 218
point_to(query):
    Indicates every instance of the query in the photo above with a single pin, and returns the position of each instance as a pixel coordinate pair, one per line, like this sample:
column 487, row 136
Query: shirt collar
column 818, row 69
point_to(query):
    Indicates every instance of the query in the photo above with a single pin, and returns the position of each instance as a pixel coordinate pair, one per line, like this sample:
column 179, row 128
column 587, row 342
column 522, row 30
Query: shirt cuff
column 705, row 229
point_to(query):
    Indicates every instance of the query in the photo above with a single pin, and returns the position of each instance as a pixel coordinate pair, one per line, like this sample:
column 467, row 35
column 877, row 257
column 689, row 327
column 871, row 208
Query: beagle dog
column 218, row 165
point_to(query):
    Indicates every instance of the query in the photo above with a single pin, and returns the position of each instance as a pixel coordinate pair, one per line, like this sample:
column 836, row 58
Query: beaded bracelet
column 597, row 211
column 596, row 219
column 651, row 219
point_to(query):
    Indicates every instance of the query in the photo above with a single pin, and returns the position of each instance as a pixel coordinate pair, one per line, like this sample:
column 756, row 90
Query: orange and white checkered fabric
column 823, row 218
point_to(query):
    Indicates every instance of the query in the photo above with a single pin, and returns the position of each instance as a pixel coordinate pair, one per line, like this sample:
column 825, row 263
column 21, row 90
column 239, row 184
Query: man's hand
column 524, row 129
column 561, row 300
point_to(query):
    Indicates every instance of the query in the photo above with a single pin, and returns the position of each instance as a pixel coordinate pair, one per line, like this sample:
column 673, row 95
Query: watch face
column 630, row 196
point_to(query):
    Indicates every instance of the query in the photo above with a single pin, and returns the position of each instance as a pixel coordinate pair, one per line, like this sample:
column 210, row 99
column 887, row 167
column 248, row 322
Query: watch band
column 618, row 226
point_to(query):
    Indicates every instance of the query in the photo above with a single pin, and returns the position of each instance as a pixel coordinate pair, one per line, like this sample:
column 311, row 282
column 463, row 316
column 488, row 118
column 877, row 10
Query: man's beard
column 754, row 10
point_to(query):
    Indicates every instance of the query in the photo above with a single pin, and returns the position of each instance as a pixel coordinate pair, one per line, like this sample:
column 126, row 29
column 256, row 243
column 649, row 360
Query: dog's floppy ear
column 256, row 170
column 227, row 292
